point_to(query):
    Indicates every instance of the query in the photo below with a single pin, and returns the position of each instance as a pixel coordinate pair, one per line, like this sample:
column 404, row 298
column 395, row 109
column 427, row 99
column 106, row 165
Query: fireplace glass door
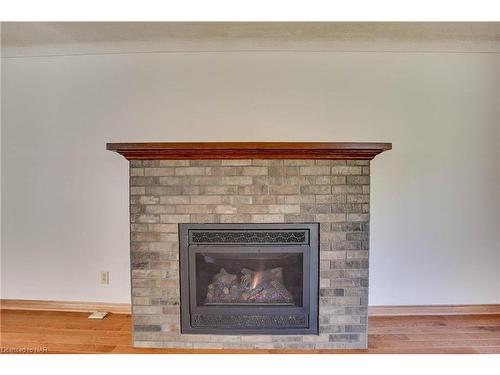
column 249, row 278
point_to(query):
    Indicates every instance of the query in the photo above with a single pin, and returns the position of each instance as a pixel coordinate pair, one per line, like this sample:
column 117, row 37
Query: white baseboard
column 125, row 308
column 17, row 304
column 414, row 310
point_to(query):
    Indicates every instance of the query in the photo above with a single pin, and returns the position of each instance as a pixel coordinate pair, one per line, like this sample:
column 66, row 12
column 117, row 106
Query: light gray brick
column 253, row 209
column 284, row 189
column 204, row 218
column 331, row 218
column 240, row 218
column 358, row 198
column 233, row 200
column 159, row 209
column 254, row 190
column 332, row 198
column 149, row 199
column 295, row 163
column 242, row 162
column 172, row 181
column 291, row 199
column 358, row 180
column 358, row 217
column 236, row 180
column 159, row 171
column 316, row 189
column 205, row 163
column 137, row 190
column 317, row 170
column 190, row 171
column 268, row 218
column 220, row 171
column 173, row 163
column 269, row 199
column 195, row 209
column 253, row 171
column 226, row 209
column 267, row 162
column 175, row 199
column 216, row 190
column 358, row 162
column 144, row 218
column 284, row 208
column 347, row 170
column 299, row 218
column 137, row 171
column 206, row 199
column 174, row 219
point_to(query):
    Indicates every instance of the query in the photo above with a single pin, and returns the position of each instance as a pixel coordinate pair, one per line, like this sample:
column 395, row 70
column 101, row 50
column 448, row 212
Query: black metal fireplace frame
column 284, row 238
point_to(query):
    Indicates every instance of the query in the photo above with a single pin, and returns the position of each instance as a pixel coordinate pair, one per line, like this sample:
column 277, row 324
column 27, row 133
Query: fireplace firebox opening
column 249, row 278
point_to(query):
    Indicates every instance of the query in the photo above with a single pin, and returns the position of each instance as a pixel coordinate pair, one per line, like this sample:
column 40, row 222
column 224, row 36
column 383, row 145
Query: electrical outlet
column 104, row 277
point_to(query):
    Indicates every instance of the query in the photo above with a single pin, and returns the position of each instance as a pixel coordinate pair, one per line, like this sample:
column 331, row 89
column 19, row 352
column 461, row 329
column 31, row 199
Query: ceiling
column 46, row 38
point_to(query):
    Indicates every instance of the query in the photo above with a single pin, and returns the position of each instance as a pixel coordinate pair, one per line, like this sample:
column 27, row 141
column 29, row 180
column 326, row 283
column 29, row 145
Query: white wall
column 434, row 212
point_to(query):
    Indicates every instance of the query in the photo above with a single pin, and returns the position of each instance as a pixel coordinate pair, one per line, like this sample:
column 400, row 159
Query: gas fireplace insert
column 249, row 278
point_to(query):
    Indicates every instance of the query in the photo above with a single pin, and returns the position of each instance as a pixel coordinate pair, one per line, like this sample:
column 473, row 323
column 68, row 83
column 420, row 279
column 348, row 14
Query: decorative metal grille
column 249, row 237
column 248, row 321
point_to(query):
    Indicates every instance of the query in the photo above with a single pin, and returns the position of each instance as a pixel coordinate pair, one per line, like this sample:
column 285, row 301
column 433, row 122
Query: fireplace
column 249, row 278
column 207, row 273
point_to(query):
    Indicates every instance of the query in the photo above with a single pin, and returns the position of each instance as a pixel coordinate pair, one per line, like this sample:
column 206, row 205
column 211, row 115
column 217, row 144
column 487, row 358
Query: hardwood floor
column 70, row 332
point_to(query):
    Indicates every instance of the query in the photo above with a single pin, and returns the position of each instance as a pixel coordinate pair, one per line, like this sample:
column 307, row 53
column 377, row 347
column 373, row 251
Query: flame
column 256, row 279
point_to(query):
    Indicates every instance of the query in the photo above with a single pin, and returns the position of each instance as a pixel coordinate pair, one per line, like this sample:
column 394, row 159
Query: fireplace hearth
column 249, row 278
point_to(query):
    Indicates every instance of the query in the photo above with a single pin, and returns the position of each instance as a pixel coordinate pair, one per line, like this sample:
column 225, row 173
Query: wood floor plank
column 72, row 332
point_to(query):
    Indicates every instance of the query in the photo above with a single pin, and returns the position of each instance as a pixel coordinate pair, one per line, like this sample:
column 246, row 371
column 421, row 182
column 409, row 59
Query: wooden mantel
column 249, row 150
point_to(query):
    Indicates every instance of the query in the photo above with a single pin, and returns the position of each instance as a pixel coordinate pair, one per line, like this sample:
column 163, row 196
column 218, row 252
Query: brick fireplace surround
column 327, row 183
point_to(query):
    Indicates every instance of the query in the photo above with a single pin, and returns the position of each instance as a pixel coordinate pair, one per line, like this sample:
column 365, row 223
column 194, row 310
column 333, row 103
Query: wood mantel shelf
column 249, row 150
